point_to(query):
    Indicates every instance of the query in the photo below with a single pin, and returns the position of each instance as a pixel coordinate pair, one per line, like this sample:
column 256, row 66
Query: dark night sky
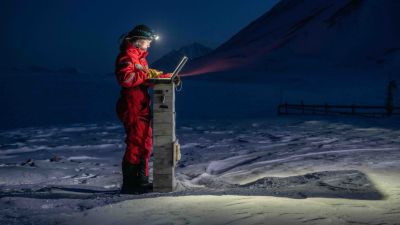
column 84, row 34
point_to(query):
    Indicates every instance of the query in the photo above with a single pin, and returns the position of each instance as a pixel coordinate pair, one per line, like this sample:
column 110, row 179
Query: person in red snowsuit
column 133, row 107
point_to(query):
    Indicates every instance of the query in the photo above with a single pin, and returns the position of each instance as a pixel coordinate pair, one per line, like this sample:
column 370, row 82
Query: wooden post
column 165, row 145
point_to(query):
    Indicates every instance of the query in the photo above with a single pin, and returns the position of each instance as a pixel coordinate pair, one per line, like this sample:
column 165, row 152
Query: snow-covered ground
column 277, row 170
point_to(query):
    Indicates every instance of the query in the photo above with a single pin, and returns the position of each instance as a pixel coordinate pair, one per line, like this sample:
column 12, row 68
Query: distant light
column 156, row 37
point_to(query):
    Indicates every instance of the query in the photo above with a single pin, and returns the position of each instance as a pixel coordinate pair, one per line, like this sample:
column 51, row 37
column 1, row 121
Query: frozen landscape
column 285, row 170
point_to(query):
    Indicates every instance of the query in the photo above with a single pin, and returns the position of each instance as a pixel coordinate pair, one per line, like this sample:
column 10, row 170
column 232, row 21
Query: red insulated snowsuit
column 133, row 106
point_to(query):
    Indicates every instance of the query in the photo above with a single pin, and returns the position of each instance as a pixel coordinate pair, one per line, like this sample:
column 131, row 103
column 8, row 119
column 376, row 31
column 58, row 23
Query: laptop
column 174, row 74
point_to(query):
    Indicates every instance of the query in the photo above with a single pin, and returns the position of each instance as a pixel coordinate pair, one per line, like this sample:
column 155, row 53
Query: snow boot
column 143, row 178
column 130, row 179
column 134, row 178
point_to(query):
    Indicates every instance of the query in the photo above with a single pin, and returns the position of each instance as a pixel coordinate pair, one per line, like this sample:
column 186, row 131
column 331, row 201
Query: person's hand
column 167, row 75
column 153, row 73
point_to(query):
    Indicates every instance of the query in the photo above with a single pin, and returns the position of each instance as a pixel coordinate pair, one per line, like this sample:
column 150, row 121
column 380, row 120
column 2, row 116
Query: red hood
column 131, row 49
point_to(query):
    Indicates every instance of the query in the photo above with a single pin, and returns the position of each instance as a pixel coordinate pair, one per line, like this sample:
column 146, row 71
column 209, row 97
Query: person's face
column 143, row 44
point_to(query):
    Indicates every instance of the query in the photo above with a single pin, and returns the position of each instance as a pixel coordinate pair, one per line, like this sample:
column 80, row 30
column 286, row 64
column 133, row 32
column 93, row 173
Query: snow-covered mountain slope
column 169, row 61
column 298, row 34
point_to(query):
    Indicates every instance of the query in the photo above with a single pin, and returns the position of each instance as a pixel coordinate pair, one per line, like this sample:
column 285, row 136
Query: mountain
column 169, row 61
column 309, row 34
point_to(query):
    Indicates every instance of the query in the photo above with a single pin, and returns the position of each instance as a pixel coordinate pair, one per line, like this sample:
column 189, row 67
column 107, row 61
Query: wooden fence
column 326, row 109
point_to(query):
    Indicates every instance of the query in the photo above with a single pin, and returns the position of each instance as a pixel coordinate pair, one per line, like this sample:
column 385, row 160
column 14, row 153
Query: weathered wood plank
column 163, row 126
column 164, row 86
column 163, row 131
column 158, row 107
column 165, row 182
column 163, row 90
column 163, row 170
column 166, row 99
column 164, row 149
column 167, row 160
column 161, row 148
column 163, row 117
column 161, row 140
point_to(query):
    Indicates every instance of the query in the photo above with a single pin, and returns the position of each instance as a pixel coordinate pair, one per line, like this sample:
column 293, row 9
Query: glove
column 167, row 75
column 153, row 73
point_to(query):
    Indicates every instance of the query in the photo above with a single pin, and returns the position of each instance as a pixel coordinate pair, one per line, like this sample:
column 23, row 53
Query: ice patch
column 110, row 186
column 47, row 206
column 113, row 127
column 85, row 176
column 190, row 145
column 372, row 129
column 83, row 157
column 77, row 129
column 185, row 128
column 87, row 147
